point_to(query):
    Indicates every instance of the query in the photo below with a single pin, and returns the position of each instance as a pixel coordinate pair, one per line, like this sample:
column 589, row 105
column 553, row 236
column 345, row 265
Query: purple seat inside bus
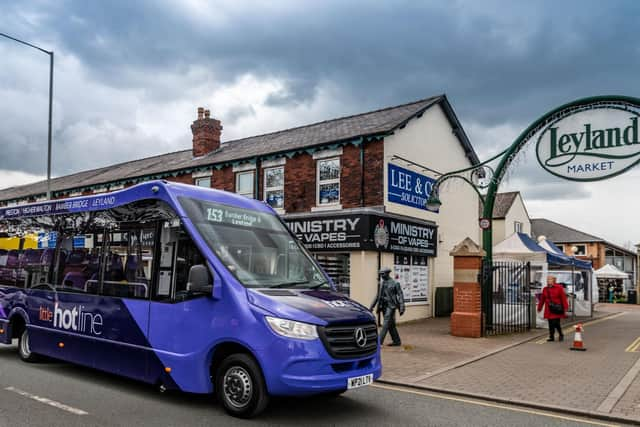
column 77, row 256
column 31, row 257
column 13, row 258
column 135, row 274
column 115, row 271
column 74, row 279
column 46, row 257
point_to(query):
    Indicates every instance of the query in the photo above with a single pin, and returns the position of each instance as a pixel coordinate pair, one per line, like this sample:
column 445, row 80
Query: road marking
column 47, row 401
column 634, row 346
column 493, row 405
column 568, row 329
column 620, row 389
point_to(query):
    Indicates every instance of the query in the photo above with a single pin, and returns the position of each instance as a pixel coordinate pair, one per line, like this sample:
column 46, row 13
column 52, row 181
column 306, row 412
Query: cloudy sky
column 130, row 74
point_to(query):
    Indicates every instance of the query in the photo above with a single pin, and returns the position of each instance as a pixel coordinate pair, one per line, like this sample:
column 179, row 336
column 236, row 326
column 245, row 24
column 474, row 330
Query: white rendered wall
column 430, row 141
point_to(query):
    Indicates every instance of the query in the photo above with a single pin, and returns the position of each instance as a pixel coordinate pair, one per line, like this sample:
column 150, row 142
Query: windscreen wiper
column 285, row 284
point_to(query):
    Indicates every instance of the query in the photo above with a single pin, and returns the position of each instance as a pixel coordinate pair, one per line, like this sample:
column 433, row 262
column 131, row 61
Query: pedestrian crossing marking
column 570, row 329
column 633, row 348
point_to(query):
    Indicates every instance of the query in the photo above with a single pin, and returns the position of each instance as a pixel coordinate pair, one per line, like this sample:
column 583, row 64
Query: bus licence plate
column 361, row 381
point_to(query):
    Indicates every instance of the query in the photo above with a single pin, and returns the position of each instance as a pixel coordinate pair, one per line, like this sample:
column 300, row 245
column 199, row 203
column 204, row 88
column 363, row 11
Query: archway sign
column 585, row 140
column 588, row 139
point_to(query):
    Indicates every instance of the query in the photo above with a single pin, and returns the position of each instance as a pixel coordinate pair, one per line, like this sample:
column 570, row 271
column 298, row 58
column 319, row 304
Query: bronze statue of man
column 389, row 299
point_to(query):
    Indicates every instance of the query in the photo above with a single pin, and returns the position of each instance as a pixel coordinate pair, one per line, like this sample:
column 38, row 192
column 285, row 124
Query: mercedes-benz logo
column 361, row 337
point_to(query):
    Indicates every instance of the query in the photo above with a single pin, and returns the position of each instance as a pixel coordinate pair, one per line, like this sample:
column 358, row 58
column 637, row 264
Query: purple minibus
column 186, row 288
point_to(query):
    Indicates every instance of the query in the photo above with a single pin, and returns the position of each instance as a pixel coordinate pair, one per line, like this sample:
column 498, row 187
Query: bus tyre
column 240, row 386
column 24, row 348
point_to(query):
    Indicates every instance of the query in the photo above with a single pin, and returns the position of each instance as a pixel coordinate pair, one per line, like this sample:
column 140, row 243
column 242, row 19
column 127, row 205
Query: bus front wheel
column 240, row 386
column 24, row 348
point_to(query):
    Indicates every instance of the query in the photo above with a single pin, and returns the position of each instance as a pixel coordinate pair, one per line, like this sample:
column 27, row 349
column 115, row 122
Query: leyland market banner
column 591, row 142
column 342, row 233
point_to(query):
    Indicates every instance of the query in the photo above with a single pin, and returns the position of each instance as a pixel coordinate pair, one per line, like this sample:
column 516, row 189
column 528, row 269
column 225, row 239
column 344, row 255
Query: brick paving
column 521, row 367
column 429, row 348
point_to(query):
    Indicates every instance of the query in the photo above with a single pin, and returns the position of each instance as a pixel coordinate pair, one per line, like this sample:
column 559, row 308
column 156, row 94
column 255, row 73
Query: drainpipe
column 256, row 191
column 362, row 174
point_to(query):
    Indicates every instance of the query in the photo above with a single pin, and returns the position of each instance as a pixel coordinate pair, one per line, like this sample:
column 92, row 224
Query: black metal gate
column 507, row 307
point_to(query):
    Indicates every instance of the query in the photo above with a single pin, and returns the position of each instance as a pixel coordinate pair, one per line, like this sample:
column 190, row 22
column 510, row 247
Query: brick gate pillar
column 466, row 319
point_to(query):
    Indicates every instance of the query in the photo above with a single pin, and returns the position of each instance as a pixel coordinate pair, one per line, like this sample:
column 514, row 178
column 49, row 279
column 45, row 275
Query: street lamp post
column 50, row 53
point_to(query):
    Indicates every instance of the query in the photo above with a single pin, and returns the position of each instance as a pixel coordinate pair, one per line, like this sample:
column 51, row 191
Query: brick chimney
column 206, row 133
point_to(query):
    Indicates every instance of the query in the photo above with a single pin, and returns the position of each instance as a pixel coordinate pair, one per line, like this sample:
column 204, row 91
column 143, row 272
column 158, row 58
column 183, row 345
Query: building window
column 581, row 250
column 274, row 187
column 517, row 227
column 561, row 247
column 244, row 183
column 205, row 181
column 338, row 267
column 328, row 182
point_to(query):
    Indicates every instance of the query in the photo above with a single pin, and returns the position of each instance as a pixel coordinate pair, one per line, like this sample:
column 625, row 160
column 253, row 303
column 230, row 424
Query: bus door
column 178, row 318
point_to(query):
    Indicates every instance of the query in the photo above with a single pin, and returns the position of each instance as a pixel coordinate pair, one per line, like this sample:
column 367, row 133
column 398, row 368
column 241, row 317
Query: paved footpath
column 520, row 368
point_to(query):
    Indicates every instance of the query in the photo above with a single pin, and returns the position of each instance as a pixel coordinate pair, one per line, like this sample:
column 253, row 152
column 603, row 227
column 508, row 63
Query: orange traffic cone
column 577, row 339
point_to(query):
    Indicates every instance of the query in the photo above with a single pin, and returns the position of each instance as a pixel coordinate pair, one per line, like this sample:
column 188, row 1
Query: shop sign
column 365, row 232
column 408, row 187
column 395, row 235
column 335, row 233
column 591, row 143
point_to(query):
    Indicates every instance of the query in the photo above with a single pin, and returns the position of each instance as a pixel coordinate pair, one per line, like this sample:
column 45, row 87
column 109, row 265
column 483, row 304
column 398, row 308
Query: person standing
column 555, row 303
column 389, row 299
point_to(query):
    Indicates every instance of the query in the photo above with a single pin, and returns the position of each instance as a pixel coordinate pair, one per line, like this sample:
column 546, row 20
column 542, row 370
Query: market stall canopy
column 610, row 272
column 519, row 247
column 551, row 248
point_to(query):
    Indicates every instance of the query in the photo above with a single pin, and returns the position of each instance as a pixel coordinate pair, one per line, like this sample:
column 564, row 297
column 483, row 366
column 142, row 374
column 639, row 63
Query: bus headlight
column 292, row 329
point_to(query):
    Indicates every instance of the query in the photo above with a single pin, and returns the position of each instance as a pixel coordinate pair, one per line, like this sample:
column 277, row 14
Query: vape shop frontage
column 352, row 246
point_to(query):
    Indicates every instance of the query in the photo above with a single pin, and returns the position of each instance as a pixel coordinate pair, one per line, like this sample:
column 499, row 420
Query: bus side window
column 128, row 261
column 78, row 262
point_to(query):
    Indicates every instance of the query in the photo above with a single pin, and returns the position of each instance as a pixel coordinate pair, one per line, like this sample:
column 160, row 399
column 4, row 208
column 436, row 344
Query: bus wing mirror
column 199, row 279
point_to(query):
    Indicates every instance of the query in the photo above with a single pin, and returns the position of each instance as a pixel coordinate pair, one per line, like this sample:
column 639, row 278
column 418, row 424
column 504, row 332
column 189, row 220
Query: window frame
column 579, row 252
column 320, row 182
column 276, row 188
column 196, row 181
column 518, row 226
column 251, row 172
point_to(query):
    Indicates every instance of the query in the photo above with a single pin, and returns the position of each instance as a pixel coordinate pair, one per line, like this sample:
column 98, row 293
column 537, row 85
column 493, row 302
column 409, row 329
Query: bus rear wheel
column 240, row 386
column 24, row 348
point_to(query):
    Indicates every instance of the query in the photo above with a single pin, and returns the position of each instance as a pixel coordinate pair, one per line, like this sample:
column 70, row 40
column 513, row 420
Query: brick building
column 353, row 189
column 589, row 247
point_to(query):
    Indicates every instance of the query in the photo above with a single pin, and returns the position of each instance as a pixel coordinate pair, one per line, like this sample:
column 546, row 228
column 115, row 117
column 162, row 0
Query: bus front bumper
column 296, row 367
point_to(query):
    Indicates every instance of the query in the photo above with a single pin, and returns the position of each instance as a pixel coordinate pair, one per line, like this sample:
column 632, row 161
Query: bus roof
column 149, row 190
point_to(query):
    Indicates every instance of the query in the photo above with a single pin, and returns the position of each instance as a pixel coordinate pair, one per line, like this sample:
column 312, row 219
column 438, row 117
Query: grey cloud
column 236, row 113
column 553, row 191
column 498, row 63
column 495, row 62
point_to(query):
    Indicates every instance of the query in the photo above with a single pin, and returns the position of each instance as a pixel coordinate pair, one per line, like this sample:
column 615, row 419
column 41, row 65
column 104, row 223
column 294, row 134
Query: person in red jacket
column 555, row 304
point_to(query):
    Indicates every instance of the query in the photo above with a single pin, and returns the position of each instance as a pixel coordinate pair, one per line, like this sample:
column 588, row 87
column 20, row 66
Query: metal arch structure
column 481, row 169
column 506, row 159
